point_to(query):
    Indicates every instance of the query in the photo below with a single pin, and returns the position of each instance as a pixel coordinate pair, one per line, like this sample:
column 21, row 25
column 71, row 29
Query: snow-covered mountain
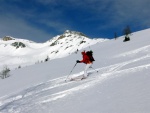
column 121, row 84
column 16, row 53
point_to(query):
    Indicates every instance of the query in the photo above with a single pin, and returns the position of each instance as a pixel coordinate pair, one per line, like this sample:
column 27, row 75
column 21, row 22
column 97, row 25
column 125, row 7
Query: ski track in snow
column 133, row 52
column 54, row 89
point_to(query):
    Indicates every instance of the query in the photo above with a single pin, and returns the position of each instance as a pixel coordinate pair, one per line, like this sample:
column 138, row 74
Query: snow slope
column 120, row 86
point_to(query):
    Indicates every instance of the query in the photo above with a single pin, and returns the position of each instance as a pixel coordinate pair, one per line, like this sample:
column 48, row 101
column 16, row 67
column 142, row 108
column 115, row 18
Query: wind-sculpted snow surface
column 41, row 97
column 117, row 83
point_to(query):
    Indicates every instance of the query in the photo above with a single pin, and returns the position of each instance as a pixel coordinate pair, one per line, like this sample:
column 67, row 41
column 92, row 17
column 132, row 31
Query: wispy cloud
column 130, row 12
column 16, row 27
column 51, row 17
column 29, row 23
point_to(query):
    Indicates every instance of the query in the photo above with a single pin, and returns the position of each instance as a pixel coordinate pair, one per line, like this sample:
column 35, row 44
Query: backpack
column 90, row 55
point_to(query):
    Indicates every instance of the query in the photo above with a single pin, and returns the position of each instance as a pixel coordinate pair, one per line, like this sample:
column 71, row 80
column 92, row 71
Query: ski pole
column 94, row 69
column 71, row 71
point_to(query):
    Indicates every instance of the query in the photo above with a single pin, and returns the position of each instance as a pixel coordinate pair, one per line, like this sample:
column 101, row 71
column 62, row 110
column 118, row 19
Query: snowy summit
column 21, row 52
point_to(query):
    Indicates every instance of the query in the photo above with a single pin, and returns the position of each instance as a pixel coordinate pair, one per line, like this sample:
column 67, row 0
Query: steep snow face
column 121, row 84
column 20, row 52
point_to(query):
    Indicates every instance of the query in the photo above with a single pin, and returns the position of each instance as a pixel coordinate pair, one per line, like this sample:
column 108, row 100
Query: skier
column 88, row 60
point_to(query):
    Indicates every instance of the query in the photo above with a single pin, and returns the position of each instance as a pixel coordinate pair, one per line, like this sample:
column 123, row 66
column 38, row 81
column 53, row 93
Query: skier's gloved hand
column 78, row 61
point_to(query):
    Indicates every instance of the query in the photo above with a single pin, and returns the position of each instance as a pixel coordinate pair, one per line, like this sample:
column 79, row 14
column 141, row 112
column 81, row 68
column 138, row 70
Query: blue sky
column 40, row 20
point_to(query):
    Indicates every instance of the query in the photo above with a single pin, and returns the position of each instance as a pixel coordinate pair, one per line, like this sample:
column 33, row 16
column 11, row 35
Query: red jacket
column 85, row 59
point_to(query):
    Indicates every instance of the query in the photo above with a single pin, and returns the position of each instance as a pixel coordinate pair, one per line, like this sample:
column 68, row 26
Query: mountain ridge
column 16, row 52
